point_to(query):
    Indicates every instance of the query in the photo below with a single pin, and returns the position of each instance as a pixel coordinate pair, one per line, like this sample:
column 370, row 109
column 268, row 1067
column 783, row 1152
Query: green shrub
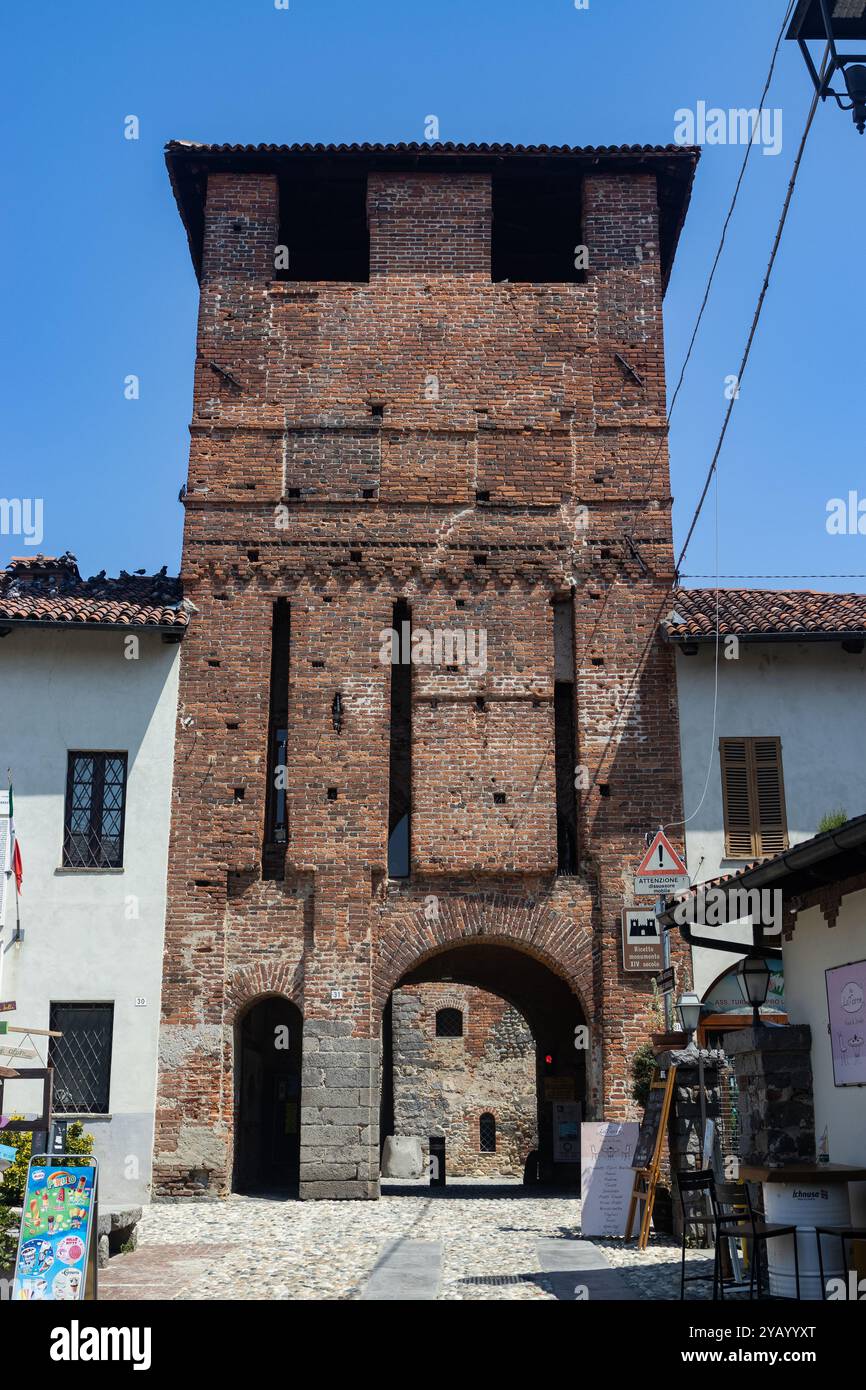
column 643, row 1065
column 14, row 1180
column 832, row 820
column 8, row 1238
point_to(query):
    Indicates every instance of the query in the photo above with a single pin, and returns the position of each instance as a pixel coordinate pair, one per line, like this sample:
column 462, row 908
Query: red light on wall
column 548, row 1060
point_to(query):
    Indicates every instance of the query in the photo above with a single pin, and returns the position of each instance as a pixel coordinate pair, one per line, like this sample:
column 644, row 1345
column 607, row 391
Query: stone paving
column 492, row 1239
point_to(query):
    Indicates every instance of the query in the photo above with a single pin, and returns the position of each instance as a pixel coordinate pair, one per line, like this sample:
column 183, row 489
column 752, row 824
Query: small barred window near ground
column 487, row 1134
column 81, row 1058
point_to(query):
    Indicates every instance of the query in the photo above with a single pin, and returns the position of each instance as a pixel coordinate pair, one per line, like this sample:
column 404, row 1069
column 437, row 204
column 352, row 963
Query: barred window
column 449, row 1023
column 487, row 1134
column 82, row 1057
column 95, row 811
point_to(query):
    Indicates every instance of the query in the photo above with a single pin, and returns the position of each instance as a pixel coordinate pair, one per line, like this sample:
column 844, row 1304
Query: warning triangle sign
column 661, row 859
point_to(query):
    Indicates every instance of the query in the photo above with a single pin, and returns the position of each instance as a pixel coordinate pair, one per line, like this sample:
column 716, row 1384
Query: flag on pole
column 13, row 851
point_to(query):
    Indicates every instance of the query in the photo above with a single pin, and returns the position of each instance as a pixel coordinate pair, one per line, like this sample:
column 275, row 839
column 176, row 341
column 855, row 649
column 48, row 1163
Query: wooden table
column 815, row 1173
column 804, row 1195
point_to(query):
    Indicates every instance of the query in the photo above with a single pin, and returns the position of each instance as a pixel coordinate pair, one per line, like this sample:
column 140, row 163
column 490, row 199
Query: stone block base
column 339, row 1114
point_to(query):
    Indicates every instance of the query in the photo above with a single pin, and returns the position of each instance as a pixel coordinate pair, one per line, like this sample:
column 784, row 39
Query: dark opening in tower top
column 537, row 228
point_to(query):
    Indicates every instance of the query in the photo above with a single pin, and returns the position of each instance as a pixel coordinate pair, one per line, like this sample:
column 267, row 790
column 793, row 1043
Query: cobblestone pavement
column 264, row 1248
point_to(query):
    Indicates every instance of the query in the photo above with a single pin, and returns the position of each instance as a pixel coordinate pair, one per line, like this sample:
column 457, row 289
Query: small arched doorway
column 268, row 1097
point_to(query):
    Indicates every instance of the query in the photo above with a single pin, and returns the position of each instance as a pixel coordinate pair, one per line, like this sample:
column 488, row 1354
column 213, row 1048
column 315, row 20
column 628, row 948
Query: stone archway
column 421, row 927
column 520, row 951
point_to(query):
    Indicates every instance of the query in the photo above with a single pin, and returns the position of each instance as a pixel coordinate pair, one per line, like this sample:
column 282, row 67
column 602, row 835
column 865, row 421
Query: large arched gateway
column 428, row 1087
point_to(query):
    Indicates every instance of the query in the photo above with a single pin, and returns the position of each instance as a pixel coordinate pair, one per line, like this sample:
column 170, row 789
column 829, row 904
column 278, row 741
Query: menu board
column 846, row 1005
column 649, row 1128
column 606, row 1177
column 56, row 1230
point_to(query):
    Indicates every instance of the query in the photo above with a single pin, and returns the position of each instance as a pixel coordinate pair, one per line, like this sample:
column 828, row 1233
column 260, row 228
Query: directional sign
column 666, row 981
column 642, row 947
column 661, row 871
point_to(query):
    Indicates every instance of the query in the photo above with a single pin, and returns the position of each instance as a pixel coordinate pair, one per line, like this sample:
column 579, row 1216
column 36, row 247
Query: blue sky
column 97, row 281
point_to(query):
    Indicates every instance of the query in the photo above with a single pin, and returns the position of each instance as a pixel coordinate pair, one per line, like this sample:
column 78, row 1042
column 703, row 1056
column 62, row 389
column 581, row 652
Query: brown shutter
column 772, row 828
column 736, row 798
column 753, row 795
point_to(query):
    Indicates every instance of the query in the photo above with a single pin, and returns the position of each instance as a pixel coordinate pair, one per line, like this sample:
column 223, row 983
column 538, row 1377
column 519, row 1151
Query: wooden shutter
column 771, row 824
column 753, row 796
column 736, row 798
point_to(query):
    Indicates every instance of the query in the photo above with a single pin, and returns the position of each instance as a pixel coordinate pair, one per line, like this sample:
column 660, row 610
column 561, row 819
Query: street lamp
column 754, row 977
column 689, row 1010
column 832, row 21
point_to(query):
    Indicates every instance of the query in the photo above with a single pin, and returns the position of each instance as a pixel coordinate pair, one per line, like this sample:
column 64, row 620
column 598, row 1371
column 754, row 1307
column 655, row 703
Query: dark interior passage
column 268, row 1097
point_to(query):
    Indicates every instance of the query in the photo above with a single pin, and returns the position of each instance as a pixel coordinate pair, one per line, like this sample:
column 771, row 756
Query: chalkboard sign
column 649, row 1130
column 647, row 1153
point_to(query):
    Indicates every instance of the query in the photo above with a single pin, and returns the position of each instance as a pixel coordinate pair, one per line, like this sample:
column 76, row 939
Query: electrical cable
column 786, row 207
column 723, row 238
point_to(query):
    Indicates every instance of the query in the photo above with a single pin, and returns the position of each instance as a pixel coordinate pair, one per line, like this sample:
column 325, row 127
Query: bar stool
column 698, row 1187
column 755, row 1228
column 843, row 1233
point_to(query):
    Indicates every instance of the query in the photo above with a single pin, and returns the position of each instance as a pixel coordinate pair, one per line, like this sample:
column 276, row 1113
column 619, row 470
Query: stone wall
column 776, row 1108
column 443, row 1085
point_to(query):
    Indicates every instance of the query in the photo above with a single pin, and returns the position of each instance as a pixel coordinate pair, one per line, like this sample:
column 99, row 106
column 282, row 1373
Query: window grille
column 95, row 811
column 487, row 1134
column 449, row 1023
column 82, row 1057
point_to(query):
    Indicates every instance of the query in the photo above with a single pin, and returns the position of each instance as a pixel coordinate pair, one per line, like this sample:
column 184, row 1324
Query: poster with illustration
column 56, row 1230
column 846, row 1003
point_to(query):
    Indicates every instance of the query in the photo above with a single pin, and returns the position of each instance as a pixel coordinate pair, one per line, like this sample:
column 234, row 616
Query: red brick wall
column 530, row 405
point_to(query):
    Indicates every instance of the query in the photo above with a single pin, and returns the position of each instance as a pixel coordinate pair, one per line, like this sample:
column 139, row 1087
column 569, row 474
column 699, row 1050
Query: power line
column 722, row 239
column 773, row 576
column 786, row 207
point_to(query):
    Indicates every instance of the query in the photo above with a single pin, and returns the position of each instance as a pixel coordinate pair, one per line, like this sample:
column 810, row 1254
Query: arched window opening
column 449, row 1023
column 487, row 1134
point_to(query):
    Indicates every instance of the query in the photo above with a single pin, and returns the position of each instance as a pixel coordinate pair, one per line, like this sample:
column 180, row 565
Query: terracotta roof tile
column 48, row 589
column 771, row 614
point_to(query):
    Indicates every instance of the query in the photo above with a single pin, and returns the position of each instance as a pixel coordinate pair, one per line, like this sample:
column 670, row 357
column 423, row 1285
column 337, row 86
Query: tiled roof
column 189, row 163
column 431, row 147
column 768, row 614
column 47, row 590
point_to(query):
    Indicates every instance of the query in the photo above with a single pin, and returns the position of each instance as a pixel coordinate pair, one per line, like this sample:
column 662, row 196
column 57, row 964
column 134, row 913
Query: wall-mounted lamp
column 832, row 21
column 689, row 1010
column 754, row 978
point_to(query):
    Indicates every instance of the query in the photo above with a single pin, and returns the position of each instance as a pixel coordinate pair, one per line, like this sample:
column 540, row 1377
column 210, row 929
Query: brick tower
column 425, row 715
